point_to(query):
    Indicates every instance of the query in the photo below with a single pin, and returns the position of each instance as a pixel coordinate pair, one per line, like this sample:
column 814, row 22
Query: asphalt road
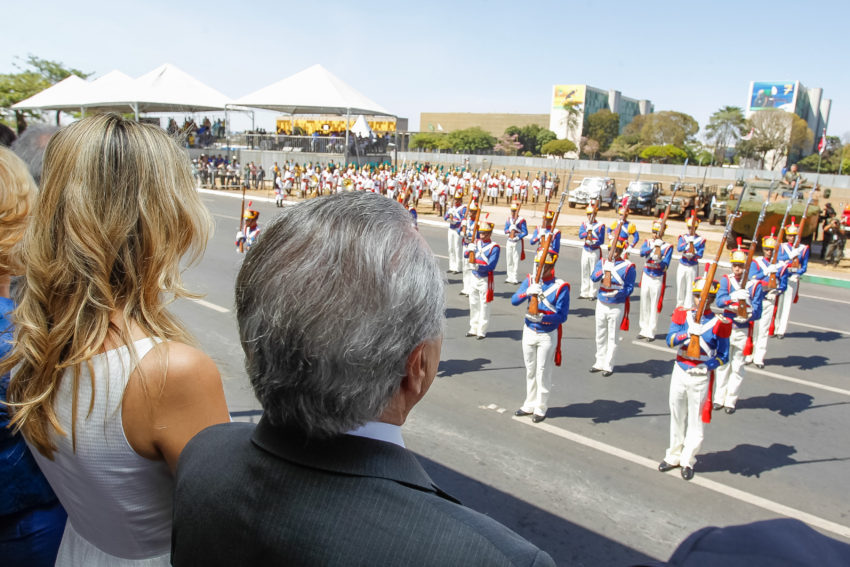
column 582, row 484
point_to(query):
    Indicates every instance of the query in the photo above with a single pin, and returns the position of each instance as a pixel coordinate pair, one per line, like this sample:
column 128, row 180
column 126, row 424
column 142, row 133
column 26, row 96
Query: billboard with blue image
column 773, row 95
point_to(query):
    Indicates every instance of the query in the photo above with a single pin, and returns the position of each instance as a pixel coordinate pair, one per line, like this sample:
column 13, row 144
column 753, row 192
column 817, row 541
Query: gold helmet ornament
column 551, row 257
column 251, row 214
column 589, row 209
column 792, row 229
column 739, row 255
column 700, row 282
column 656, row 225
column 692, row 221
column 769, row 241
column 514, row 206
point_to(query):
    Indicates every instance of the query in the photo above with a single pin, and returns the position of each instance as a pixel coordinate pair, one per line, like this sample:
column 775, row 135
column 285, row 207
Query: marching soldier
column 658, row 255
column 797, row 261
column 516, row 230
column 593, row 235
column 689, row 383
column 455, row 216
column 541, row 335
column 486, row 256
column 612, row 309
column 731, row 296
column 468, row 239
column 628, row 228
column 692, row 247
column 541, row 232
column 246, row 237
column 774, row 275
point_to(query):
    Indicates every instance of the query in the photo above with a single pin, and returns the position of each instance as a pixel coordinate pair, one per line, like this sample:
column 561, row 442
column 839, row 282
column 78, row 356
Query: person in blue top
column 774, row 275
column 730, row 296
column 612, row 309
column 796, row 258
column 541, row 334
column 486, row 255
column 455, row 216
column 692, row 247
column 690, row 381
column 658, row 256
column 31, row 518
column 539, row 236
column 516, row 229
column 593, row 236
column 628, row 227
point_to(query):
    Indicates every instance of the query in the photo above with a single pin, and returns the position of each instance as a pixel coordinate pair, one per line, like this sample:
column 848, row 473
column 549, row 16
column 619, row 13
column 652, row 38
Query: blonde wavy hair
column 116, row 213
column 16, row 190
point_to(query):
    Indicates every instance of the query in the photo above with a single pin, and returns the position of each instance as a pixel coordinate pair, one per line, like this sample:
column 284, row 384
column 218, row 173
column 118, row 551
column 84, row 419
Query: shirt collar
column 380, row 431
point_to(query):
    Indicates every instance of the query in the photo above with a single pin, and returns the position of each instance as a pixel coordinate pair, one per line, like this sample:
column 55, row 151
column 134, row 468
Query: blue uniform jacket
column 554, row 307
column 486, row 258
column 454, row 216
column 538, row 235
column 627, row 228
column 714, row 339
column 520, row 226
column 622, row 281
column 758, row 272
column 653, row 267
column 595, row 238
column 787, row 253
column 728, row 284
column 699, row 249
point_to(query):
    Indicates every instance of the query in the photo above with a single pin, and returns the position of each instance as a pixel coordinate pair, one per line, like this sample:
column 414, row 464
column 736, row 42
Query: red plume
column 740, row 242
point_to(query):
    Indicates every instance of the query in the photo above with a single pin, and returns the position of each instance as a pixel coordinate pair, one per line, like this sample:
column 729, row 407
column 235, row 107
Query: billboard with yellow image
column 327, row 125
column 564, row 94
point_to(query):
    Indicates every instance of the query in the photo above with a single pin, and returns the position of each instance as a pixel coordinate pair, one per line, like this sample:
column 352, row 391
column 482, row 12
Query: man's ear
column 415, row 371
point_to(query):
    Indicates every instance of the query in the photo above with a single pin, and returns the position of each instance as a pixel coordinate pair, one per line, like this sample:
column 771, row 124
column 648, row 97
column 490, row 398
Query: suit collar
column 346, row 454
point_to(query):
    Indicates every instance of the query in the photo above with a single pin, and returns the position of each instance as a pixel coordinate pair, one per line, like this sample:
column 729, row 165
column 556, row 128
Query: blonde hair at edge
column 116, row 213
column 16, row 190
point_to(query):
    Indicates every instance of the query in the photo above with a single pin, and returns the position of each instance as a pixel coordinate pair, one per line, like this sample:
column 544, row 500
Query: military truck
column 755, row 192
column 689, row 197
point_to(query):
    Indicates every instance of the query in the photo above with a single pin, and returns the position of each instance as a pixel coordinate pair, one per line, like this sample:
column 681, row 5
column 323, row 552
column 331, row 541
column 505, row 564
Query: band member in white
column 658, row 255
column 486, row 256
column 592, row 233
column 455, row 216
column 691, row 246
column 797, row 261
column 774, row 276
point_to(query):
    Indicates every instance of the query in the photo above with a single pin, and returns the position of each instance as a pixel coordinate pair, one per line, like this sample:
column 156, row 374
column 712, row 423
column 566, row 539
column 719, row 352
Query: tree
column 532, row 137
column 508, row 144
column 625, row 147
column 830, row 161
column 775, row 135
column 35, row 75
column 558, row 147
column 427, row 141
column 469, row 140
column 667, row 153
column 589, row 147
column 668, row 128
column 725, row 126
column 603, row 126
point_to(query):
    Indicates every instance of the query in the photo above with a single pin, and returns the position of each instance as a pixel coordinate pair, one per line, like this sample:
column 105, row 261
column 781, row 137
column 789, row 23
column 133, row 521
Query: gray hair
column 331, row 301
column 30, row 147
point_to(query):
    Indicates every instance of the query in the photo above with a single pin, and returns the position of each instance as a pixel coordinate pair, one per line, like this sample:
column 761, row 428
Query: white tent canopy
column 361, row 127
column 64, row 95
column 312, row 91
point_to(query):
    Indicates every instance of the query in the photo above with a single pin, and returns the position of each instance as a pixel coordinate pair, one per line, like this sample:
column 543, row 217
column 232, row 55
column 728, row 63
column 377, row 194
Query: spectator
column 826, row 215
column 106, row 389
column 835, row 237
column 30, row 147
column 324, row 478
column 31, row 518
column 7, row 136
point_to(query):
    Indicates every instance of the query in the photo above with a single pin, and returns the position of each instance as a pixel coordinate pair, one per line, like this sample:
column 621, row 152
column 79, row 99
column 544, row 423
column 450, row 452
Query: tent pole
column 345, row 153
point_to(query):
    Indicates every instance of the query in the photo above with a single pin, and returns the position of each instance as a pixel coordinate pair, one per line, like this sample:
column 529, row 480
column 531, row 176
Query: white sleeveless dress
column 119, row 503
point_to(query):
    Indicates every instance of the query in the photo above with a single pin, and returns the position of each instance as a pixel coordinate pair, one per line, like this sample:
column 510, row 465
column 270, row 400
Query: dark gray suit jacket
column 268, row 496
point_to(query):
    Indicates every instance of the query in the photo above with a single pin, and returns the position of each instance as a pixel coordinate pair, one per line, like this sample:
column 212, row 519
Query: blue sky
column 458, row 56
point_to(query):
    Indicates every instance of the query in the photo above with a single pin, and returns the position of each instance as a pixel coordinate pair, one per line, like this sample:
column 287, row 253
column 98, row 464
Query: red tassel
column 706, row 407
column 773, row 318
column 748, row 346
column 558, row 348
column 522, row 249
column 624, row 325
column 490, row 287
column 797, row 293
column 661, row 295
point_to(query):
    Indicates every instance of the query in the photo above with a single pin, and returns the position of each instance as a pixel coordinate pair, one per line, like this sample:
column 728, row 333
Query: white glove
column 741, row 295
column 694, row 329
column 794, row 278
column 741, row 319
column 631, row 250
column 608, row 266
column 772, row 294
column 534, row 289
column 534, row 318
column 655, row 257
column 771, row 269
column 469, row 248
column 611, row 293
column 658, row 243
column 240, row 235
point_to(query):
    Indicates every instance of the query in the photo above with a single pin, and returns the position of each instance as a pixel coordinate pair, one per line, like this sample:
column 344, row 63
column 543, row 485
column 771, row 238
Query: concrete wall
column 493, row 123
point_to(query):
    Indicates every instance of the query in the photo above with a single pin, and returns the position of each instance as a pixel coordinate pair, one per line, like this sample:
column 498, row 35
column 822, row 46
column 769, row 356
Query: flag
column 822, row 143
column 439, row 127
column 750, row 135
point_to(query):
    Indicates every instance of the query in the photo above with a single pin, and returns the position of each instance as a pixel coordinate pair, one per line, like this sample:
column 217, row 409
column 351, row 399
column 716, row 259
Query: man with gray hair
column 324, row 478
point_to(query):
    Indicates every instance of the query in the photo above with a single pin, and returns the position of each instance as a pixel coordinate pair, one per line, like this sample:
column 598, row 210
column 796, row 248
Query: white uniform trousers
column 688, row 389
column 729, row 377
column 760, row 330
column 588, row 262
column 650, row 291
column 538, row 350
column 608, row 318
column 685, row 276
column 786, row 300
column 455, row 251
column 512, row 249
column 479, row 309
column 468, row 278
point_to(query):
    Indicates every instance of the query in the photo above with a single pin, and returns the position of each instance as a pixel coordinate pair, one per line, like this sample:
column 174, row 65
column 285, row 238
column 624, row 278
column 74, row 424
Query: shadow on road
column 600, row 411
column 582, row 312
column 752, row 460
column 566, row 542
column 819, row 336
column 783, row 404
column 655, row 368
column 515, row 334
column 802, row 362
column 451, row 313
column 456, row 366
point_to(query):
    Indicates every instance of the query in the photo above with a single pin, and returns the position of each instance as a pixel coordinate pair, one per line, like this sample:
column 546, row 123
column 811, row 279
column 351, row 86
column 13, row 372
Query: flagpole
column 821, row 148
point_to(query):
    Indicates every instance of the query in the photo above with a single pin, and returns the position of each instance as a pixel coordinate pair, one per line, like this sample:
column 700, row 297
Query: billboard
column 563, row 94
column 772, row 95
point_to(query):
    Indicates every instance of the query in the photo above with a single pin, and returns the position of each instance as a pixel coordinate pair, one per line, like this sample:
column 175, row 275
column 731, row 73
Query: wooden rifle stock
column 242, row 224
column 796, row 262
column 612, row 249
column 742, row 309
column 533, row 308
column 474, row 234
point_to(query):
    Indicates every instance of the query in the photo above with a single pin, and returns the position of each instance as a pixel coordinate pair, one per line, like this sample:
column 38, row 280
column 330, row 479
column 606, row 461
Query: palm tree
column 724, row 126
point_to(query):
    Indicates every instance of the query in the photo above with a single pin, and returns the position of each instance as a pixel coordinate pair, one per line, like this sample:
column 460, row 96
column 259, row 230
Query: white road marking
column 819, row 328
column 754, row 370
column 824, row 298
column 228, row 217
column 715, row 486
column 212, row 306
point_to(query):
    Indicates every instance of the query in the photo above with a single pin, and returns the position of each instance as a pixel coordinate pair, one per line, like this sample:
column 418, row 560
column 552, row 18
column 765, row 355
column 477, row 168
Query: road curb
column 826, row 280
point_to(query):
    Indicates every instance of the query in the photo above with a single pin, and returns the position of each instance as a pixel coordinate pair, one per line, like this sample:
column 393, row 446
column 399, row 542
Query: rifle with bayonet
column 693, row 345
column 742, row 309
column 796, row 262
column 475, row 233
column 771, row 284
column 612, row 248
column 533, row 301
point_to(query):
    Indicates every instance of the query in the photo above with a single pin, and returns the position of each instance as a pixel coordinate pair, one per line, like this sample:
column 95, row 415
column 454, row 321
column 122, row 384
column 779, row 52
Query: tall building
column 585, row 101
column 492, row 122
column 792, row 96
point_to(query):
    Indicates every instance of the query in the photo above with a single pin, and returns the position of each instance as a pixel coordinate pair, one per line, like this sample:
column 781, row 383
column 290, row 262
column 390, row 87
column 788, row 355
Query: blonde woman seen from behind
column 106, row 387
